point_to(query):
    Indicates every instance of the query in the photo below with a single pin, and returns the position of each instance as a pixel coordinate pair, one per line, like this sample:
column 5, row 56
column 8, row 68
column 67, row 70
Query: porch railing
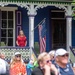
column 26, row 52
column 72, row 54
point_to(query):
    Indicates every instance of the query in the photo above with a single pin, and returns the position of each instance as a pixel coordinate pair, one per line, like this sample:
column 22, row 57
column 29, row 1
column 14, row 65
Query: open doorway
column 58, row 23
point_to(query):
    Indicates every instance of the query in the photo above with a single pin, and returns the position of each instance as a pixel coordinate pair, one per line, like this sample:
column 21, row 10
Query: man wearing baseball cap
column 61, row 62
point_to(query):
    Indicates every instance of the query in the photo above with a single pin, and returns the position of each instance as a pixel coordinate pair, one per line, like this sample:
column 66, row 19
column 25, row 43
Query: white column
column 31, row 31
column 31, row 13
column 69, row 27
column 69, row 32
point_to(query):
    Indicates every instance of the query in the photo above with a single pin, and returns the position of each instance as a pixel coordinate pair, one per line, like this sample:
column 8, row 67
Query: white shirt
column 2, row 66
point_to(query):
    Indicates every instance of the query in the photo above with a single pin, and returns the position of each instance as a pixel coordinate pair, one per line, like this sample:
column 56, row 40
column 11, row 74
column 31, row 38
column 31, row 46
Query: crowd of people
column 56, row 62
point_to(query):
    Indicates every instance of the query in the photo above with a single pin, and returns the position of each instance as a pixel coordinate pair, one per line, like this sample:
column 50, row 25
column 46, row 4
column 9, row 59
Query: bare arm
column 26, row 43
column 54, row 69
column 17, row 43
column 47, row 70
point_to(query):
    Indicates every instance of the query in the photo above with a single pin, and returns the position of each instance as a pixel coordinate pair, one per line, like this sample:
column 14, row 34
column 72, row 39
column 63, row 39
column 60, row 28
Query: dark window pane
column 4, row 14
column 3, row 33
column 4, row 23
column 57, row 14
column 10, row 33
column 3, row 42
column 10, row 23
column 10, row 14
column 59, row 33
column 10, row 41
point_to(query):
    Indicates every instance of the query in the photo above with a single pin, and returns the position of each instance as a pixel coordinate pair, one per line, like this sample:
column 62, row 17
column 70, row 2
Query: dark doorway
column 58, row 30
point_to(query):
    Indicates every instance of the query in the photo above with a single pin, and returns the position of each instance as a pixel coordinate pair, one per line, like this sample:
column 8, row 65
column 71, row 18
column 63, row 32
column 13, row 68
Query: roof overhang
column 37, row 0
column 67, row 2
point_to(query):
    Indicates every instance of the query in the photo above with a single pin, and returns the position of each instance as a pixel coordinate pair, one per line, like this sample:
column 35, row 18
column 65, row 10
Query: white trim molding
column 8, row 8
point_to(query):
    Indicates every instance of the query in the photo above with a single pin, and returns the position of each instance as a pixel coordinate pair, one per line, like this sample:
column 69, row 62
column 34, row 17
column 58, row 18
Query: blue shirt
column 65, row 71
column 29, row 65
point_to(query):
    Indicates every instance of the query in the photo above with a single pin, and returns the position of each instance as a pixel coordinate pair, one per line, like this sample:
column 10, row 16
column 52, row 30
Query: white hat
column 60, row 52
column 17, row 53
column 52, row 52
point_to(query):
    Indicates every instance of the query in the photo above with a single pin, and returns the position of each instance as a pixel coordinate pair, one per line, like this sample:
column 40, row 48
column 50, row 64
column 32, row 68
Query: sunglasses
column 18, row 55
column 48, row 61
column 65, row 55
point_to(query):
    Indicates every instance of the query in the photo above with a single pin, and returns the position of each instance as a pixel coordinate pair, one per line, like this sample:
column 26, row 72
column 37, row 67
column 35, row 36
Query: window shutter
column 18, row 22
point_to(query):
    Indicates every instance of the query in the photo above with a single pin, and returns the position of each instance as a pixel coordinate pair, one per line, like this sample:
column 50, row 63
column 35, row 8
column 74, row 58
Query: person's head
column 61, row 57
column 21, row 32
column 2, row 56
column 16, row 58
column 44, row 58
column 52, row 54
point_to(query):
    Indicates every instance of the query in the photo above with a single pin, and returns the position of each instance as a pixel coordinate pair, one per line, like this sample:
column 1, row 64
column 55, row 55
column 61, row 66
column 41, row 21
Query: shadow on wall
column 36, row 47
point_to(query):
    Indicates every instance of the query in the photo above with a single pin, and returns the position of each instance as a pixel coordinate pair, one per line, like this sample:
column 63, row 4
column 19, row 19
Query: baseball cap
column 17, row 53
column 60, row 52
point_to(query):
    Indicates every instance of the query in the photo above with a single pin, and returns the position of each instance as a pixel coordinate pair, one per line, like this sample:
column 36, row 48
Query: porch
column 32, row 7
column 26, row 52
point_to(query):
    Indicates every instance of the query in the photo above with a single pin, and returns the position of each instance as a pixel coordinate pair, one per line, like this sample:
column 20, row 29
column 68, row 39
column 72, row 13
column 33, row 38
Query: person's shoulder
column 37, row 71
column 25, row 36
column 2, row 61
column 69, row 65
column 29, row 65
column 18, row 36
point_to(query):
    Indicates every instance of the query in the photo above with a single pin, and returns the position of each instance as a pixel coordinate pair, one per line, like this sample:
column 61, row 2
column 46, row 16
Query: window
column 58, row 22
column 7, row 27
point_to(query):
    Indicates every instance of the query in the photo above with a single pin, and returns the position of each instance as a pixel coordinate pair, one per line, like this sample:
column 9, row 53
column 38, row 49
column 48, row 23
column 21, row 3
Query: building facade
column 26, row 15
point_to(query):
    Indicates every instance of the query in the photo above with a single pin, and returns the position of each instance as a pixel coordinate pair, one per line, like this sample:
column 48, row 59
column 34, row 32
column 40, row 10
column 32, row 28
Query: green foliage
column 73, row 15
column 2, row 44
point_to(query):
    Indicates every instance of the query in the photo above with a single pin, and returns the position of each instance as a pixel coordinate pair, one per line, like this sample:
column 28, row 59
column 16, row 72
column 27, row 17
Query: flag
column 42, row 36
